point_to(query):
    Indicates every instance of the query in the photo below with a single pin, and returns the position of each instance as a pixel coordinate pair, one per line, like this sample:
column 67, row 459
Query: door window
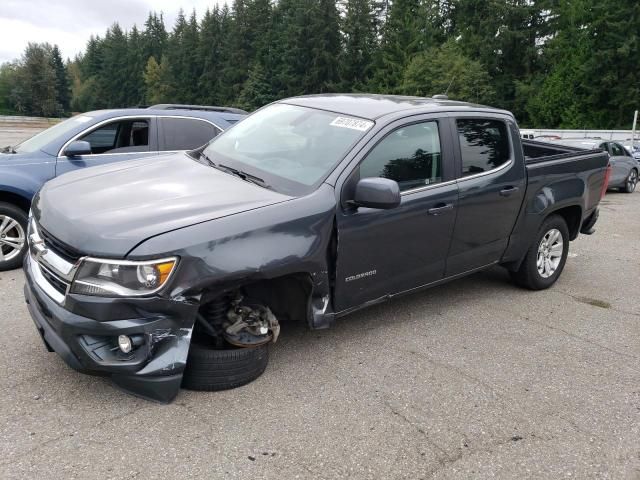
column 410, row 155
column 186, row 133
column 484, row 145
column 122, row 136
column 617, row 150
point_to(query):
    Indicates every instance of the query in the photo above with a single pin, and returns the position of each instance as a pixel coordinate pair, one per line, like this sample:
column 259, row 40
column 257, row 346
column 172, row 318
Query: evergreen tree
column 35, row 90
column 256, row 91
column 359, row 45
column 402, row 39
column 114, row 71
column 447, row 69
column 156, row 80
column 63, row 86
column 154, row 37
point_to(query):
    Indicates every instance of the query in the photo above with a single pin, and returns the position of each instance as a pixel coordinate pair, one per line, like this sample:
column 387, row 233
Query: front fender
column 282, row 239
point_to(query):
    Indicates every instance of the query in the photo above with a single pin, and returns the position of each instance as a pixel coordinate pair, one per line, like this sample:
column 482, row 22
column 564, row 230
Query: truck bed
column 537, row 152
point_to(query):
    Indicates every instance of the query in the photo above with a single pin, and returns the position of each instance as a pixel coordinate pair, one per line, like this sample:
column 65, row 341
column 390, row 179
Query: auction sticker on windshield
column 352, row 123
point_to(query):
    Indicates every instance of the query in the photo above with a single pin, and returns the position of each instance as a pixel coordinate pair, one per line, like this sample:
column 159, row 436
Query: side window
column 186, row 134
column 119, row 137
column 617, row 150
column 484, row 145
column 409, row 155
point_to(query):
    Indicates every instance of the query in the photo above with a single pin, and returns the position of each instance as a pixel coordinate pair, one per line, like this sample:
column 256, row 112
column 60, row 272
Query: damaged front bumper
column 86, row 338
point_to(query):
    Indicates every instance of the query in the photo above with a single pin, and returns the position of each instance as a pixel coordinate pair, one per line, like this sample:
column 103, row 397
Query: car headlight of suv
column 120, row 278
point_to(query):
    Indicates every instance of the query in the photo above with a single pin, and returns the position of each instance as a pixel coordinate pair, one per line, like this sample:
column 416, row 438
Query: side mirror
column 77, row 148
column 377, row 192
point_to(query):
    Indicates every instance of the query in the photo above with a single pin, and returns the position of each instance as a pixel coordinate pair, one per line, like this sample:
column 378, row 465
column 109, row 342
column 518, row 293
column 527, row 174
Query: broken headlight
column 120, row 278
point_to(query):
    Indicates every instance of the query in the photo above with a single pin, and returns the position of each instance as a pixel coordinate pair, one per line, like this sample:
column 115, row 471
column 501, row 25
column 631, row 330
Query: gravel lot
column 474, row 379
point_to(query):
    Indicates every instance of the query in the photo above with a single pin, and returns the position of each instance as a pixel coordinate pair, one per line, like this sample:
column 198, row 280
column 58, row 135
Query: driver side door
column 383, row 252
column 113, row 141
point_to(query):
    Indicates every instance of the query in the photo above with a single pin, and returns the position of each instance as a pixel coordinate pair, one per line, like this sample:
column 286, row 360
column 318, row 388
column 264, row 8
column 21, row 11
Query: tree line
column 554, row 63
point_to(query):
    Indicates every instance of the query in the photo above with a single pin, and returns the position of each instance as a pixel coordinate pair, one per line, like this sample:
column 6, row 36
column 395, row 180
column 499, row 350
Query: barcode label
column 352, row 123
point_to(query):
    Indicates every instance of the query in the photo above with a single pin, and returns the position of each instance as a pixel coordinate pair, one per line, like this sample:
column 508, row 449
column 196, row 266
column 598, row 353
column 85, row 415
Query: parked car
column 633, row 149
column 624, row 168
column 527, row 134
column 90, row 139
column 177, row 270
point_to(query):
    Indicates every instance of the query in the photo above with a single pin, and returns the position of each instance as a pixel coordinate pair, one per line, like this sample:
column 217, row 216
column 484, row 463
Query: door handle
column 505, row 192
column 440, row 209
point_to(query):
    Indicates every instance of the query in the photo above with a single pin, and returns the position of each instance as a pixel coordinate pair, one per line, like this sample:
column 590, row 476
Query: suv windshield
column 37, row 142
column 291, row 148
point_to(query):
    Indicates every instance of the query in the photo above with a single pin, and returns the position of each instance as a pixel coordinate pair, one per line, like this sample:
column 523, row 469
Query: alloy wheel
column 549, row 253
column 12, row 238
column 632, row 181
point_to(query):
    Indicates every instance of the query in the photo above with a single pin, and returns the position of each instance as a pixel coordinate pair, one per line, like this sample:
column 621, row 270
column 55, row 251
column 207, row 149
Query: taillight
column 605, row 185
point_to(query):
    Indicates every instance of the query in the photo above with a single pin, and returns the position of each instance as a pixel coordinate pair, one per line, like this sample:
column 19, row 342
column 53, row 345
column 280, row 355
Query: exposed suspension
column 239, row 322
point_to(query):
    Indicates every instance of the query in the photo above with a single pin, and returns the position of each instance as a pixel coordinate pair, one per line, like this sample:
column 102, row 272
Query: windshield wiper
column 243, row 175
column 8, row 149
column 209, row 161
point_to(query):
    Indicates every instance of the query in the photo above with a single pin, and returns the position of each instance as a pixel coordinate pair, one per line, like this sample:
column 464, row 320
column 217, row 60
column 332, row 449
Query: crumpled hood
column 106, row 211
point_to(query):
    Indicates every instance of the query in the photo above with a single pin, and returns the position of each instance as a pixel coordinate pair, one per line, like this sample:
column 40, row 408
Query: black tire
column 7, row 210
column 211, row 370
column 528, row 276
column 631, row 182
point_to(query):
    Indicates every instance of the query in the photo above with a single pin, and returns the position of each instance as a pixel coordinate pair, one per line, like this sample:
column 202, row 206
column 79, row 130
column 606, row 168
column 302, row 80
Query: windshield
column 40, row 140
column 291, row 148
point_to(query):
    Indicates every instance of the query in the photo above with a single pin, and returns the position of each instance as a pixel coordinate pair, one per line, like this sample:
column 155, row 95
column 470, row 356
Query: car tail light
column 605, row 185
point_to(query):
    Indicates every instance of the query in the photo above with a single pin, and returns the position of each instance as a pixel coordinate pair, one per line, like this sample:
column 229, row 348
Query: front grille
column 55, row 281
column 68, row 253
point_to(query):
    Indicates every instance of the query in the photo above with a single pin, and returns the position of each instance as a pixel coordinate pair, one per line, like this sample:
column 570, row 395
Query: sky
column 70, row 23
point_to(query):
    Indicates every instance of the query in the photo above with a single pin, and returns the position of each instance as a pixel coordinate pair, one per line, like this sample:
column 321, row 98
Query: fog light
column 124, row 343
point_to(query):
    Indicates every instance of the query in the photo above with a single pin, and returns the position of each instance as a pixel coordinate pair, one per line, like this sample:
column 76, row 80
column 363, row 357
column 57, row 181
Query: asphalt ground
column 473, row 379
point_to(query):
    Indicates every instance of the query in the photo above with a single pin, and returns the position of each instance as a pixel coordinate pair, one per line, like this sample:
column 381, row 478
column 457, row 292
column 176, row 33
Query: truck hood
column 106, row 211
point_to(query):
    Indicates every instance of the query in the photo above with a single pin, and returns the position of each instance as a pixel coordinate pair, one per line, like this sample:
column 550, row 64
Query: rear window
column 186, row 133
column 484, row 145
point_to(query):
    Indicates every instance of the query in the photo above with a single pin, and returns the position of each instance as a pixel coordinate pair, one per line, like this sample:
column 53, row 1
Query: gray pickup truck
column 178, row 270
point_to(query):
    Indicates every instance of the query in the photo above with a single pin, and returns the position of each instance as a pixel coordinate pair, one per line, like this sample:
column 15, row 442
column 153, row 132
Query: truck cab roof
column 373, row 106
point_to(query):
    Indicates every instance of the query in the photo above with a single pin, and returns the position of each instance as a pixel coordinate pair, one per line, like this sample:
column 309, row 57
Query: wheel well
column 572, row 215
column 16, row 200
column 287, row 296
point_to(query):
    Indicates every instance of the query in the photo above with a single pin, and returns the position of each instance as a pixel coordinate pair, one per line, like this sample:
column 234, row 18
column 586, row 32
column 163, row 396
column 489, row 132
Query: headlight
column 109, row 278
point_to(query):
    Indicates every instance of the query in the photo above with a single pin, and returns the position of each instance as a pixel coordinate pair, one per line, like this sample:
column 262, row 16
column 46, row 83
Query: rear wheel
column 546, row 257
column 13, row 236
column 631, row 181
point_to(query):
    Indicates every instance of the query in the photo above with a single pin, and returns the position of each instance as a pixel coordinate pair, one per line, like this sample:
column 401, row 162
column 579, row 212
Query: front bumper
column 152, row 371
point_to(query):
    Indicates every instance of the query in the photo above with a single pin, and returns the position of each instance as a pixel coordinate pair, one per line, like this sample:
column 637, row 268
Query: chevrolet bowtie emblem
column 39, row 249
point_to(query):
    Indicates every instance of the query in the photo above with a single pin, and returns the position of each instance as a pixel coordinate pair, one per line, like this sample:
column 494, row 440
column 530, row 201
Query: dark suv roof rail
column 208, row 108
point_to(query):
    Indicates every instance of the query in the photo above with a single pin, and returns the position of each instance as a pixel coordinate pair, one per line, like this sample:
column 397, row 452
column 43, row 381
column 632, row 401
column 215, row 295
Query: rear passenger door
column 184, row 133
column 114, row 140
column 621, row 163
column 491, row 186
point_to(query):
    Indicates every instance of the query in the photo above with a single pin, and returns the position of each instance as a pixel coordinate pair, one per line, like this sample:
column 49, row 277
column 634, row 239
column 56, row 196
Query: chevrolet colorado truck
column 177, row 270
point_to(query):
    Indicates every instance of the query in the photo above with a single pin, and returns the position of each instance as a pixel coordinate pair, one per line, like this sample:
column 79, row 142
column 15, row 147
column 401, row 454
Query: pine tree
column 35, row 90
column 158, row 88
column 356, row 61
column 256, row 91
column 402, row 39
column 63, row 85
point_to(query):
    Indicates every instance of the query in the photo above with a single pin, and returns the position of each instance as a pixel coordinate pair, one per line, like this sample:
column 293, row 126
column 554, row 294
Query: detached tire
column 211, row 370
column 546, row 257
